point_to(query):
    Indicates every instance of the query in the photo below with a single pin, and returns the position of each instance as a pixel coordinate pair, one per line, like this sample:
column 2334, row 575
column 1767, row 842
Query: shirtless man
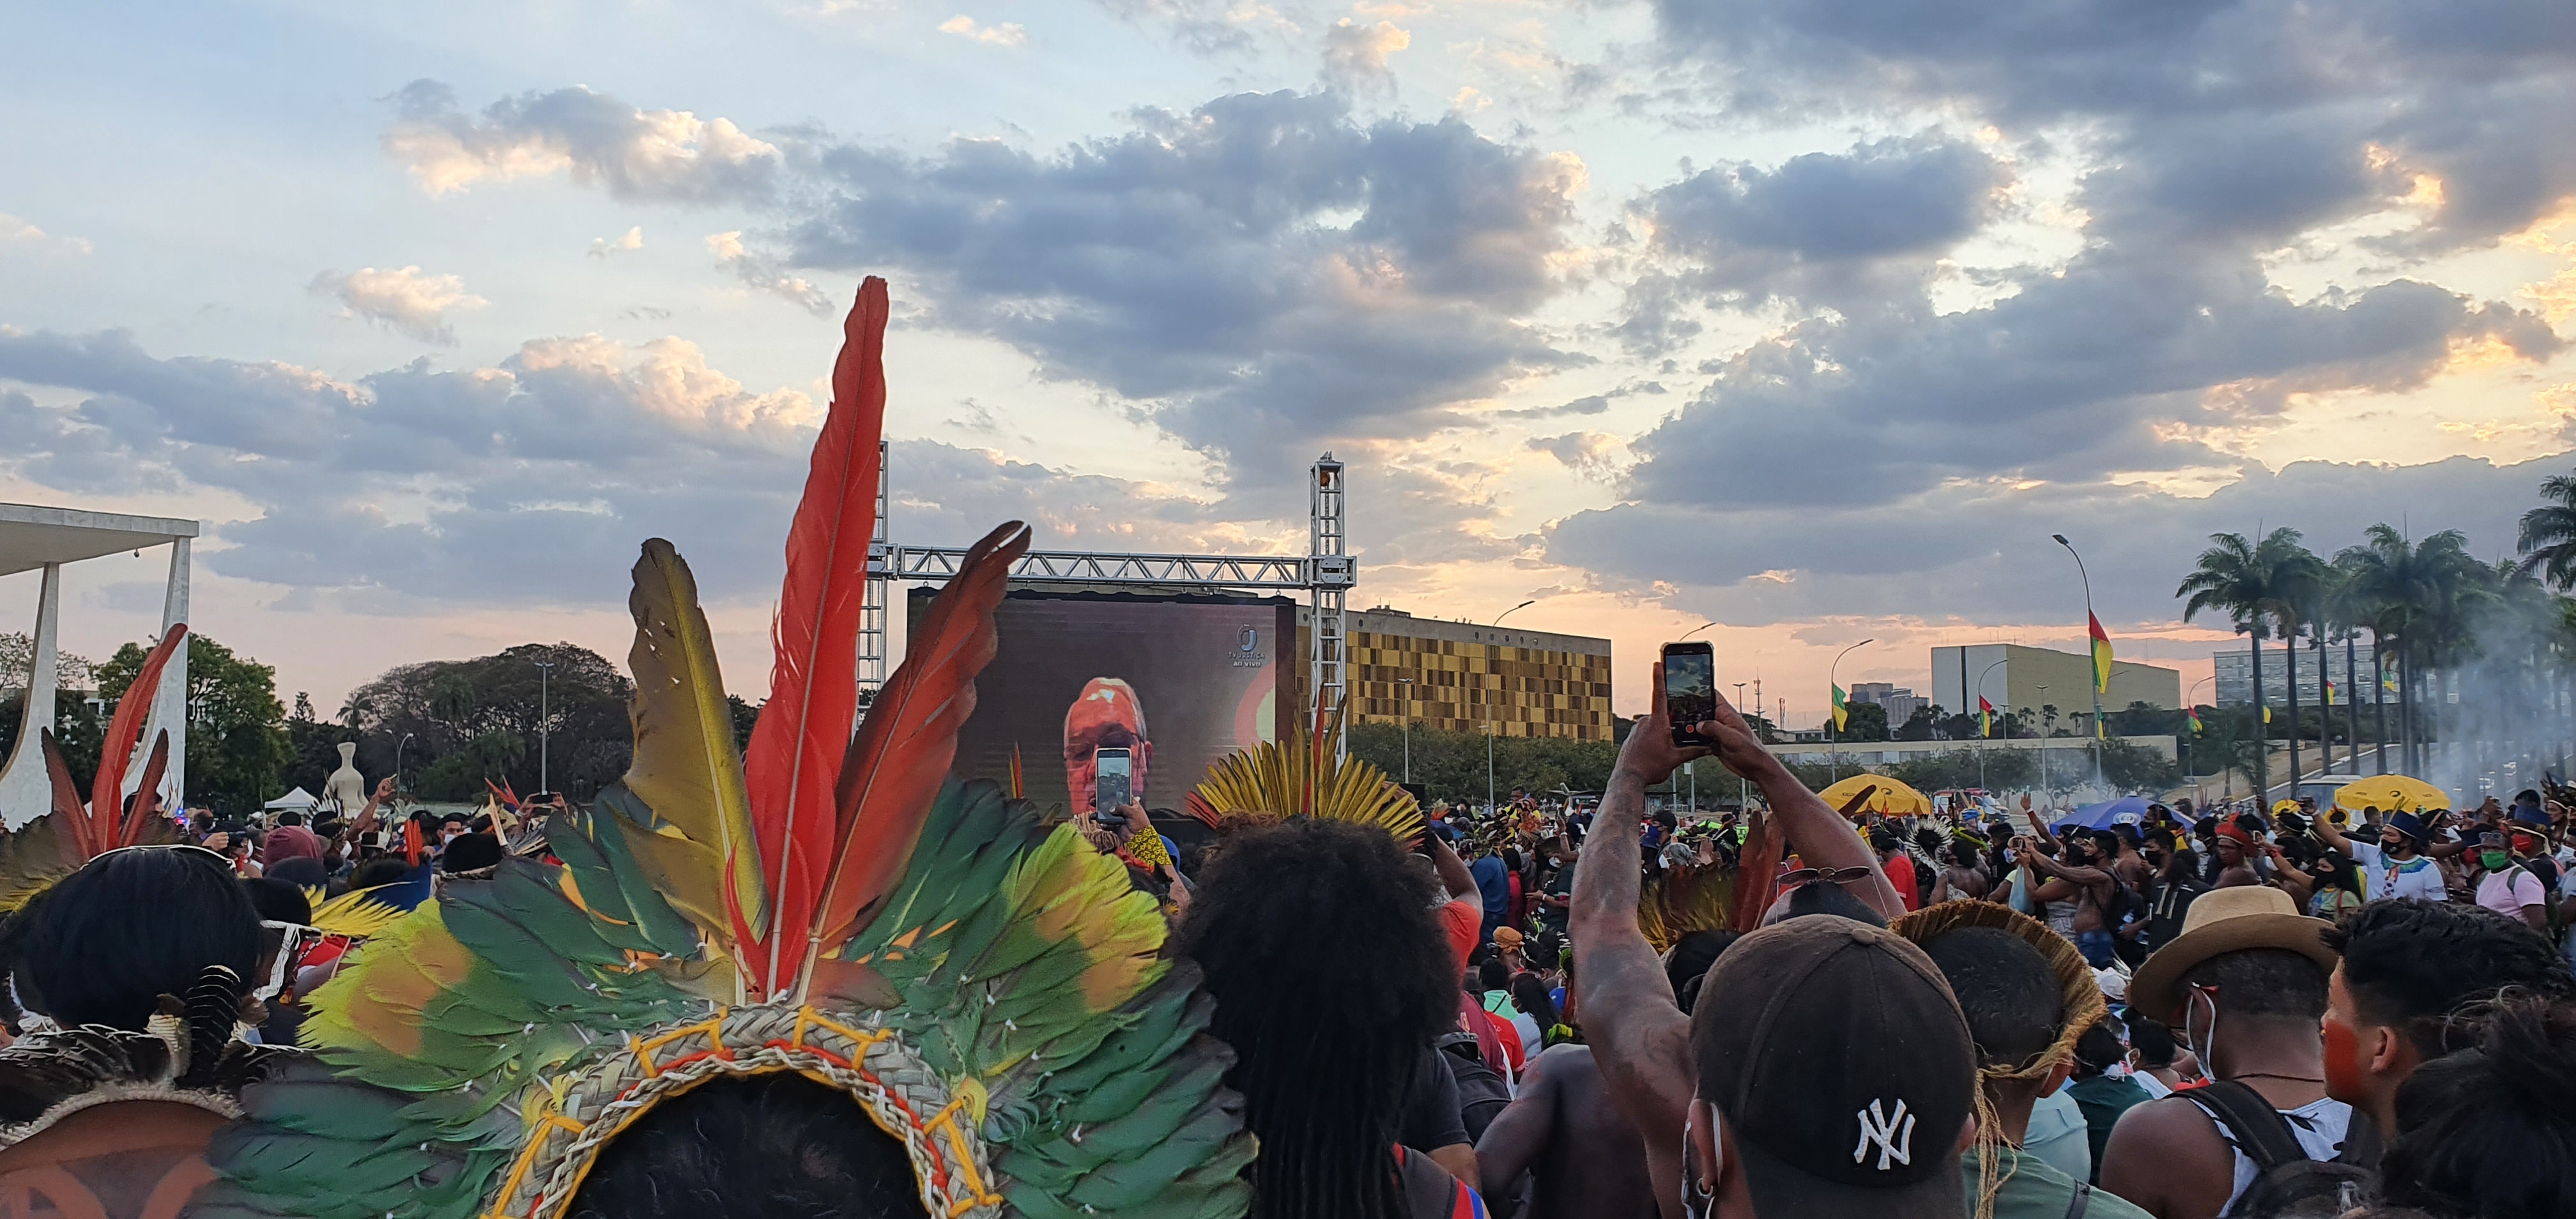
column 1962, row 880
column 2235, row 848
column 2084, row 881
column 1583, row 1154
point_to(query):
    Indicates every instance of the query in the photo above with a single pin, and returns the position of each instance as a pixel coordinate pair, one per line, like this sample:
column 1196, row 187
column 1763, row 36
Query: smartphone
column 1112, row 787
column 1690, row 690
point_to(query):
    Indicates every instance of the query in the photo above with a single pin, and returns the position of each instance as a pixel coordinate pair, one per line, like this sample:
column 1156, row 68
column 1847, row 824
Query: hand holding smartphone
column 1690, row 690
column 1112, row 784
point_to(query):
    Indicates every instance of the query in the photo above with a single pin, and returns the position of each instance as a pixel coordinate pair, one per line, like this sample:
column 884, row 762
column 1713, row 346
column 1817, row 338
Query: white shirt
column 2319, row 1126
column 2385, row 877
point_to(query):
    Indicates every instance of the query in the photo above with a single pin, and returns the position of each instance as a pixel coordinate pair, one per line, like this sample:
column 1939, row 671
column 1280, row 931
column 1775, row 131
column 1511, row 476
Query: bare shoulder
column 2166, row 1157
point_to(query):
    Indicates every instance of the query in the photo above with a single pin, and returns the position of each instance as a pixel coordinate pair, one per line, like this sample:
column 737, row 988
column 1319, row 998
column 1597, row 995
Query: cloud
column 22, row 234
column 669, row 156
column 1355, row 55
column 602, row 247
column 1263, row 276
column 527, row 482
column 766, row 275
column 1006, row 34
column 402, row 300
column 1592, row 455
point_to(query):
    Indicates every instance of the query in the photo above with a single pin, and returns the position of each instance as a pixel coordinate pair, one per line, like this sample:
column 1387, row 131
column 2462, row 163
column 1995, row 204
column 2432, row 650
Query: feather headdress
column 1300, row 775
column 985, row 987
column 71, row 831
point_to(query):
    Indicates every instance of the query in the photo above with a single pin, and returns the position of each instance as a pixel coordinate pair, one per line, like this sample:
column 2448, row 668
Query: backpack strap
column 2083, row 1199
column 2261, row 1132
column 2362, row 1143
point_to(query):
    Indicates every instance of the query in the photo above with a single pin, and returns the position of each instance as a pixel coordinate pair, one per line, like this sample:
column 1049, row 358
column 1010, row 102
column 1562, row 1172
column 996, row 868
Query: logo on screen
column 1247, row 649
column 1250, row 639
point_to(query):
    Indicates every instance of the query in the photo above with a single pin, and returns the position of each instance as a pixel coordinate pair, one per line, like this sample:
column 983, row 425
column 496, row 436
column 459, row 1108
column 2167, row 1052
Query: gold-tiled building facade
column 1466, row 675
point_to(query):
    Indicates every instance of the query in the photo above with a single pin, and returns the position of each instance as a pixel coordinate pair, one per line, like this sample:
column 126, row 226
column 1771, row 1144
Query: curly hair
column 2485, row 1132
column 1331, row 979
column 2410, row 963
column 765, row 1147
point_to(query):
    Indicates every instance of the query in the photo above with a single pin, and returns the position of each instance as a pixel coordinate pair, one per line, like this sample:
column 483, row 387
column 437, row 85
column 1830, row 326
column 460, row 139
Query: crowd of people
column 2205, row 1012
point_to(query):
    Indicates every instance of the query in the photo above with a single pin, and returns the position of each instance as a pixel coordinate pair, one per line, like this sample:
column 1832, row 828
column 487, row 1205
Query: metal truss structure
column 1326, row 575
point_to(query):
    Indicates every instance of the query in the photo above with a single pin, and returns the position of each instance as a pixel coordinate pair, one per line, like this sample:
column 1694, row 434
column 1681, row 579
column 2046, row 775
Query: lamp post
column 545, row 716
column 2188, row 702
column 1833, row 728
column 1489, row 711
column 2101, row 679
column 1498, row 618
column 398, row 753
column 1697, row 629
column 2044, row 729
column 1405, row 697
column 1743, row 792
column 1981, row 737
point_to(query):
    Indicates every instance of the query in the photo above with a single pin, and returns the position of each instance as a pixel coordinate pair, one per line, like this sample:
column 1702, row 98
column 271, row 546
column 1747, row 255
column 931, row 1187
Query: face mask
column 2494, row 860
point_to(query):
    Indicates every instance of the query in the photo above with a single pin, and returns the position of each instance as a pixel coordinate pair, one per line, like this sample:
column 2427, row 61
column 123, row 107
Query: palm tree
column 2422, row 596
column 2548, row 538
column 2233, row 579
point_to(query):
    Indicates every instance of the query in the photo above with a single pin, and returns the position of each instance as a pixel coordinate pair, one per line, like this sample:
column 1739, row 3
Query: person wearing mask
column 2404, row 969
column 2245, row 984
column 1679, row 1077
column 2085, row 881
column 2396, row 865
column 1556, row 896
column 2506, row 887
column 2176, row 883
column 2156, row 1064
column 2028, row 997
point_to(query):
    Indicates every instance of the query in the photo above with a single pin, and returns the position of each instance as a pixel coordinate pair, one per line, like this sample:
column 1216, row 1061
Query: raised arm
column 2332, row 836
column 384, row 793
column 2080, row 876
column 1820, row 836
column 1640, row 1039
column 1453, row 871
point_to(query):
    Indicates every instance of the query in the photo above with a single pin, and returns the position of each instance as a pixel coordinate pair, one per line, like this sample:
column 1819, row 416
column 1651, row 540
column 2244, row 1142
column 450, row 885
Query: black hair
column 1826, row 897
column 455, row 818
column 290, row 818
column 381, row 870
column 1963, row 854
column 2410, row 963
column 2152, row 1040
column 2343, row 873
column 1494, row 974
column 764, row 1147
column 302, row 871
column 2261, row 982
column 468, row 852
column 1330, row 978
column 1529, row 993
column 1882, row 838
column 2107, row 843
column 104, row 945
column 1547, row 950
column 1690, row 960
column 2486, row 1132
column 2097, row 1049
column 277, row 901
column 2005, row 988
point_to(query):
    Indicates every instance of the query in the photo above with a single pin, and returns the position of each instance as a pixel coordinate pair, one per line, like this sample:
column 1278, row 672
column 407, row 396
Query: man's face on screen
column 1105, row 716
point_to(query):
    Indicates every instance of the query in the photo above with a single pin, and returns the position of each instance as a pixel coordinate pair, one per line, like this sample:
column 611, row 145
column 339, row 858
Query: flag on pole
column 2194, row 713
column 1985, row 717
column 2388, row 682
column 2330, row 692
column 2267, row 713
column 1842, row 714
column 2101, row 655
column 2101, row 730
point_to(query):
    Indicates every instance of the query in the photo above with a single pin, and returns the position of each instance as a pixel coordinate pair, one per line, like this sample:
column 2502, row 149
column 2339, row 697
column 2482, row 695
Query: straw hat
column 2222, row 921
column 2075, row 982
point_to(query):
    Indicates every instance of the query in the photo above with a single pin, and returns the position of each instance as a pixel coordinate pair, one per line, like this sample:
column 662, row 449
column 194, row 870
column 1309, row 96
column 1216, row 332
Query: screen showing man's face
column 1105, row 716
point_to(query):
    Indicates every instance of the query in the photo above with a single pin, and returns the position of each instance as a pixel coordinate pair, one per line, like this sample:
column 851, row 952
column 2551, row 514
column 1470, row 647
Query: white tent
column 298, row 800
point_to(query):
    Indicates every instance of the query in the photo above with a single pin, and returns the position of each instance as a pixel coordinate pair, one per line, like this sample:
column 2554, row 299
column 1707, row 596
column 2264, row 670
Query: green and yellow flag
column 1842, row 714
column 2195, row 719
column 2101, row 655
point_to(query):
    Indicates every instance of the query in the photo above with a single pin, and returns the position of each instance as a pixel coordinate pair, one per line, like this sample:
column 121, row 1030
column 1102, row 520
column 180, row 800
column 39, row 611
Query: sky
column 1809, row 319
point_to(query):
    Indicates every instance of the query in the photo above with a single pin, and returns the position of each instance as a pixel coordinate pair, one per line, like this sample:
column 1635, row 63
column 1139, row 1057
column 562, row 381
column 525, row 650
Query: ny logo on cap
column 1894, row 1134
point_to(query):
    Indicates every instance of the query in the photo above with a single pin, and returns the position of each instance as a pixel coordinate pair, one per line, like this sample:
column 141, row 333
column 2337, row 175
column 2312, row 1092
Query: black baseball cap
column 1839, row 1059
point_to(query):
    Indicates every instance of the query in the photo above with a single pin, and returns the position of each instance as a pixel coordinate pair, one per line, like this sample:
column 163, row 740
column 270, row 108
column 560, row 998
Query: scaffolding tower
column 1326, row 575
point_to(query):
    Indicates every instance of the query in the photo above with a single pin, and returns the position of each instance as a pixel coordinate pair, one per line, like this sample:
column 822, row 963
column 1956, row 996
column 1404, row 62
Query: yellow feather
column 687, row 768
column 1298, row 775
column 356, row 914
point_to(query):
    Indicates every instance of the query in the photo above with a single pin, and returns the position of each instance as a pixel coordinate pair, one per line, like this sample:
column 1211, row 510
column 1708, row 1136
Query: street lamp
column 398, row 753
column 1833, row 730
column 2047, row 725
column 2188, row 702
column 1498, row 618
column 545, row 716
column 2100, row 678
column 1406, row 697
column 1743, row 793
column 1697, row 629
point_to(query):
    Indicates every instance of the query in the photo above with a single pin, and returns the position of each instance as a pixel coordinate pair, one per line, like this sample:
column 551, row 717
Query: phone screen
column 1690, row 689
column 1111, row 785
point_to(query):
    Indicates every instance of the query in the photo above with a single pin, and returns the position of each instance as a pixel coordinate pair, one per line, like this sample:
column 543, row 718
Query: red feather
column 67, row 802
column 1757, row 872
column 795, row 750
column 903, row 751
column 122, row 732
column 147, row 794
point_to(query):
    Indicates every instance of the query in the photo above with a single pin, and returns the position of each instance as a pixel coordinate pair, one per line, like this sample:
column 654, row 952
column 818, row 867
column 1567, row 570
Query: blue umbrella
column 2127, row 810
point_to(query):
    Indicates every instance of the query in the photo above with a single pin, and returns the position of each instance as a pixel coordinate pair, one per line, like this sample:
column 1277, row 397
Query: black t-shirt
column 1431, row 1118
column 1560, row 885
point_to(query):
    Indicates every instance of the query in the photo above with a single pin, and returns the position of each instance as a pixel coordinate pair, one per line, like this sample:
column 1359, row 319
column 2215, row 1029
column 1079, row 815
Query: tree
column 2547, row 538
column 75, row 722
column 2422, row 596
column 1926, row 724
column 1862, row 722
column 1451, row 765
column 237, row 742
column 2249, row 582
column 312, row 746
column 447, row 706
column 1992, row 769
column 2136, row 768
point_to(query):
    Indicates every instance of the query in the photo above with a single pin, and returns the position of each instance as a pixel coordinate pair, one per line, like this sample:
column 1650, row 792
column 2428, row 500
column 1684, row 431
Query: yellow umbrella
column 1893, row 799
column 2391, row 794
